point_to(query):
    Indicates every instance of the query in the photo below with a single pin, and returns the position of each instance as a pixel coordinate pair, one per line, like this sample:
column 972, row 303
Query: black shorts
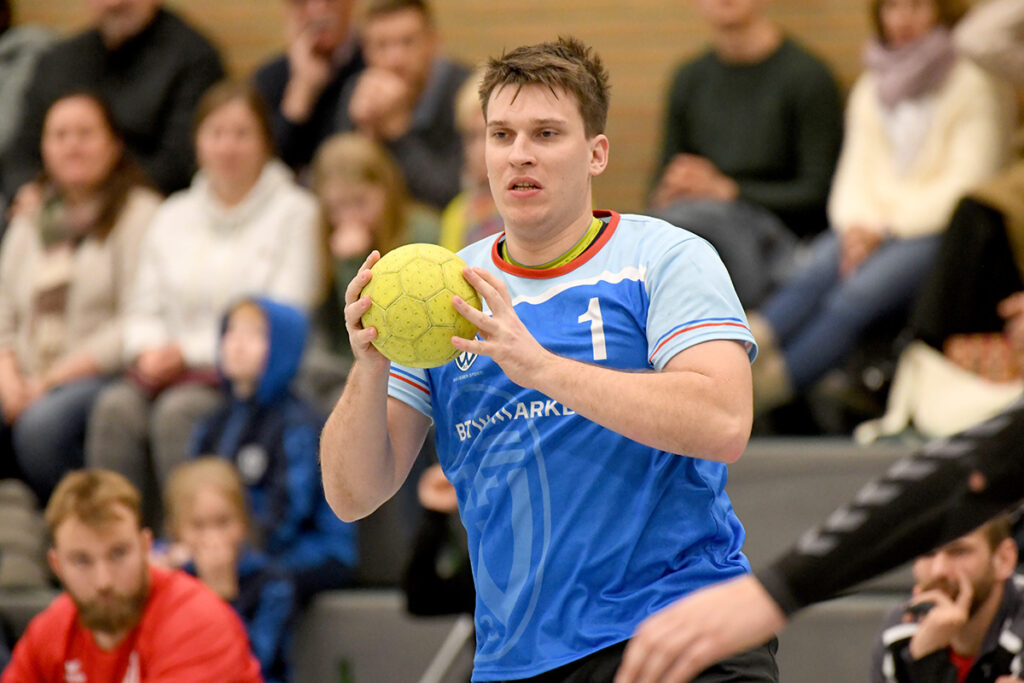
column 753, row 666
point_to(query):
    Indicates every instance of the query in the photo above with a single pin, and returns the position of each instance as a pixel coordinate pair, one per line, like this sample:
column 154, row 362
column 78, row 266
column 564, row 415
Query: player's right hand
column 356, row 305
column 937, row 628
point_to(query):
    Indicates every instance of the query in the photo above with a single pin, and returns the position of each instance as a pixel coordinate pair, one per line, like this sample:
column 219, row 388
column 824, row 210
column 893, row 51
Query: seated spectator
column 992, row 34
column 471, row 216
column 121, row 619
column 923, row 127
column 149, row 65
column 243, row 227
column 66, row 268
column 967, row 325
column 966, row 609
column 303, row 86
column 209, row 520
column 273, row 437
column 438, row 578
column 405, row 98
column 752, row 132
column 20, row 48
column 365, row 206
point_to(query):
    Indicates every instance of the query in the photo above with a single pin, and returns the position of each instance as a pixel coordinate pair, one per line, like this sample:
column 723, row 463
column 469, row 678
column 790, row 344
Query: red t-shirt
column 962, row 663
column 187, row 634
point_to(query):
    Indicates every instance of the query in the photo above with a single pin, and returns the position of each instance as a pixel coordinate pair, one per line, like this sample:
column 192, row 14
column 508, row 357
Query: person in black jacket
column 148, row 65
column 303, row 86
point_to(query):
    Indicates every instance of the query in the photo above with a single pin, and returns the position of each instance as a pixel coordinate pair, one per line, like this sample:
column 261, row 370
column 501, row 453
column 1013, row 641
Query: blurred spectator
column 243, row 227
column 273, row 437
column 66, row 268
column 208, row 517
column 992, row 34
column 438, row 578
column 752, row 134
column 303, row 87
column 365, row 206
column 406, row 98
column 964, row 617
column 20, row 47
column 471, row 216
column 923, row 127
column 149, row 65
column 121, row 619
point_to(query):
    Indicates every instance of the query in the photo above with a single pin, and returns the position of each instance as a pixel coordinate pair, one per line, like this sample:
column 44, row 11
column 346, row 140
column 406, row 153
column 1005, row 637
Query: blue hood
column 288, row 327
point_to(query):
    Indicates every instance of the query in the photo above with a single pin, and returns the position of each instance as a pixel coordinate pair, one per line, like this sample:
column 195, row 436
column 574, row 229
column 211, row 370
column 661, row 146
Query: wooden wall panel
column 640, row 40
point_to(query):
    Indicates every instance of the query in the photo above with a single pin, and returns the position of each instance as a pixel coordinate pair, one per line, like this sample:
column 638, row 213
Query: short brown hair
column 566, row 65
column 90, row 496
column 227, row 91
column 377, row 8
column 189, row 477
column 948, row 12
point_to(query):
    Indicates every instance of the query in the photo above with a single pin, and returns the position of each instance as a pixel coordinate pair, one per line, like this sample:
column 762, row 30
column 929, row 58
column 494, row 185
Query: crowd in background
column 176, row 248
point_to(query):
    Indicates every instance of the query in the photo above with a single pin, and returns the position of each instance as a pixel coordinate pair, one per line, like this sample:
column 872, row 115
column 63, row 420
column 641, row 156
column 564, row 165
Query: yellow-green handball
column 411, row 290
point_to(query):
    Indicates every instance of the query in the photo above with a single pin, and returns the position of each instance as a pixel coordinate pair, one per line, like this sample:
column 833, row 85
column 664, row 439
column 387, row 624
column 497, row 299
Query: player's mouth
column 524, row 187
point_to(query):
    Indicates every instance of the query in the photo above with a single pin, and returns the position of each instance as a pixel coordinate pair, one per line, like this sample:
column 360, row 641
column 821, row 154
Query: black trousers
column 973, row 272
column 753, row 666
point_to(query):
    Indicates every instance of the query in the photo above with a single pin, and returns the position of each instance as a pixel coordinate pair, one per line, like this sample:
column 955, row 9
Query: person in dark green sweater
column 752, row 134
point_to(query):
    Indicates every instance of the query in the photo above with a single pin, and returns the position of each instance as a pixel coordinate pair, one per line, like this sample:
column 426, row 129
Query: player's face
column 401, row 42
column 78, row 148
column 104, row 570
column 970, row 555
column 119, row 20
column 245, row 346
column 539, row 159
column 905, row 21
column 230, row 145
column 211, row 520
column 325, row 22
column 359, row 203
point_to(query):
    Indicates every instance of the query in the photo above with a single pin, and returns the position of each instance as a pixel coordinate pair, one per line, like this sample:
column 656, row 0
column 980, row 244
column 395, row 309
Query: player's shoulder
column 654, row 239
column 56, row 619
column 479, row 253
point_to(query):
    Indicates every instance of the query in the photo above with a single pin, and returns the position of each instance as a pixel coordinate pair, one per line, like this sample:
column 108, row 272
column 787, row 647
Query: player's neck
column 532, row 248
column 748, row 43
column 969, row 639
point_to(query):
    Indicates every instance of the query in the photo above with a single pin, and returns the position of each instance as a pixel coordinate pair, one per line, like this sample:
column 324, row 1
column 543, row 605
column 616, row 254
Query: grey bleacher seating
column 832, row 641
column 781, row 487
column 366, row 636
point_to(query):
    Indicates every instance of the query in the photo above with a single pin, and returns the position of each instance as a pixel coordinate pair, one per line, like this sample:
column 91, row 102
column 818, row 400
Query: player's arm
column 370, row 441
column 698, row 405
column 942, row 492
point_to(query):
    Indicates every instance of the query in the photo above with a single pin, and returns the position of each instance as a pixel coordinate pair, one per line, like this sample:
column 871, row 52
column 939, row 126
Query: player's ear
column 1005, row 559
column 598, row 154
column 51, row 558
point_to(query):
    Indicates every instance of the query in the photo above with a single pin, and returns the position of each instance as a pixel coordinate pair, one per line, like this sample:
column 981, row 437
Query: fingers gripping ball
column 411, row 293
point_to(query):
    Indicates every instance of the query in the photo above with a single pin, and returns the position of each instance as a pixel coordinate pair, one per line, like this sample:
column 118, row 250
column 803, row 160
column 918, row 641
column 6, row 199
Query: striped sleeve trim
column 410, row 379
column 695, row 325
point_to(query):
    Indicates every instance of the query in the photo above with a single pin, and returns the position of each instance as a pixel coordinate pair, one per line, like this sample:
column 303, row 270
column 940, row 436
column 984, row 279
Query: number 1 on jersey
column 593, row 316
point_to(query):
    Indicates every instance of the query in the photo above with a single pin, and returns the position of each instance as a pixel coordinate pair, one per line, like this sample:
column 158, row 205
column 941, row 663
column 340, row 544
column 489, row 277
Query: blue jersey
column 577, row 533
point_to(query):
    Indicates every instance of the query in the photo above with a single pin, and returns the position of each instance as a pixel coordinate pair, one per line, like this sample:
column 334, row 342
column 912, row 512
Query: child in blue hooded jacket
column 272, row 436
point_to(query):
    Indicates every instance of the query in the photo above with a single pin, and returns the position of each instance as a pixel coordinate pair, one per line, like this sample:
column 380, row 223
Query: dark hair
column 997, row 530
column 5, row 15
column 948, row 11
column 125, row 175
column 378, row 8
column 226, row 91
column 566, row 65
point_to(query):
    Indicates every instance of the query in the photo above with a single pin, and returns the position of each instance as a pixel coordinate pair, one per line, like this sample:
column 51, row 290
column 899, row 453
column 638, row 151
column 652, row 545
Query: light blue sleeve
column 411, row 386
column 691, row 300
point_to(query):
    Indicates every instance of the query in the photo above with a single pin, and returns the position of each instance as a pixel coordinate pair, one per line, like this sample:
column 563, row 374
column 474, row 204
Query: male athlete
column 926, row 500
column 586, row 429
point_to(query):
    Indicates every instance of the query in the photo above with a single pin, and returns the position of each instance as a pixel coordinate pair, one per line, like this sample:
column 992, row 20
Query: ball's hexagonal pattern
column 411, row 291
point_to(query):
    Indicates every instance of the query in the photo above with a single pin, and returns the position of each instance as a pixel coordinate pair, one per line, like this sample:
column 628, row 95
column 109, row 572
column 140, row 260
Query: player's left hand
column 688, row 636
column 501, row 335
